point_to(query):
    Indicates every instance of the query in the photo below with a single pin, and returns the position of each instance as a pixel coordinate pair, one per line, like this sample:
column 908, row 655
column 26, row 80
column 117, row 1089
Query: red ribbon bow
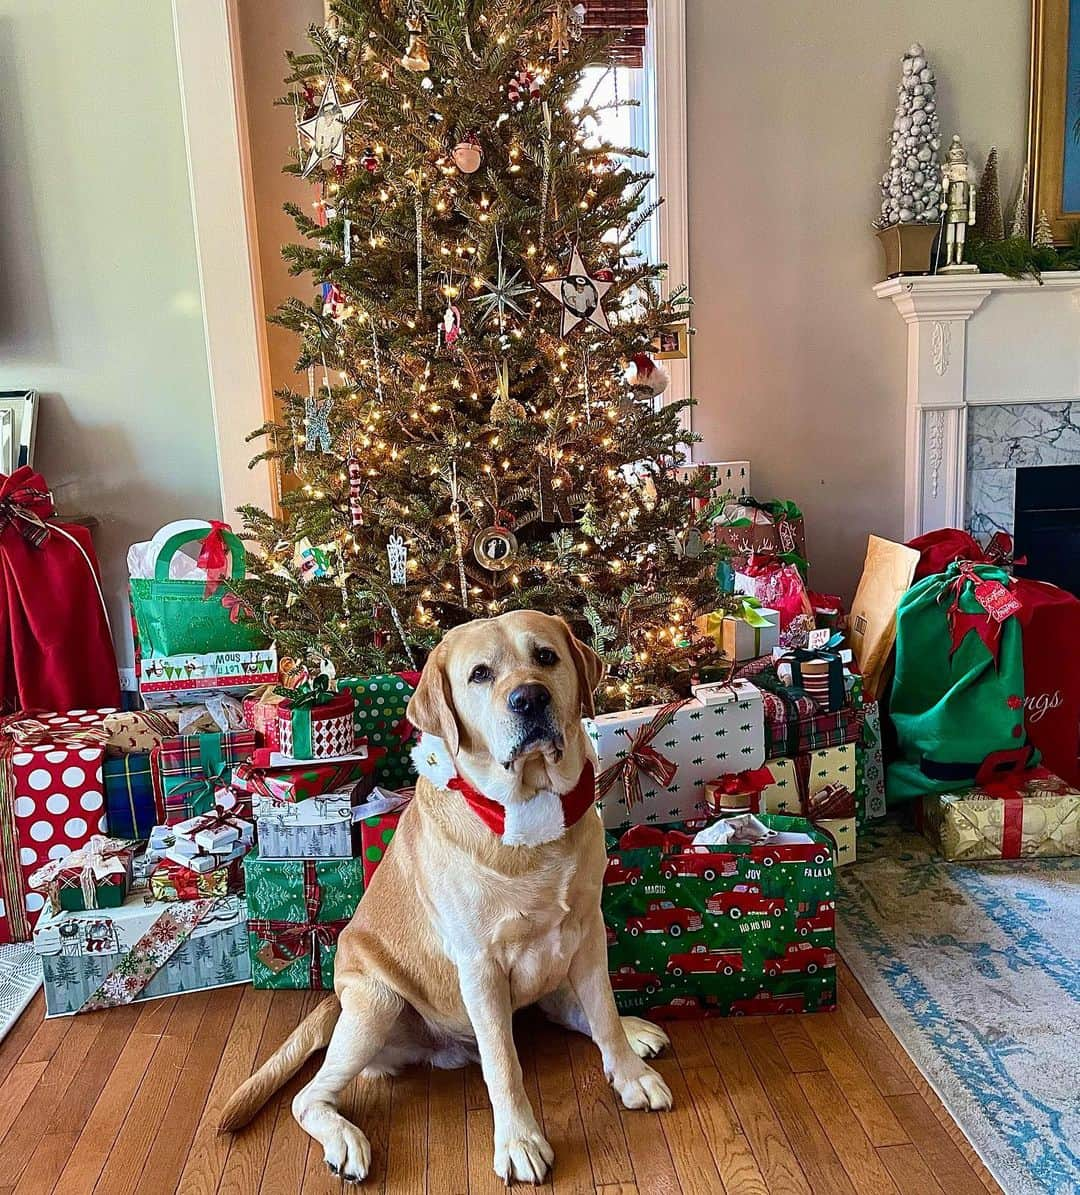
column 236, row 606
column 642, row 757
column 998, row 604
column 750, row 784
column 25, row 504
column 404, row 730
column 214, row 556
column 301, row 937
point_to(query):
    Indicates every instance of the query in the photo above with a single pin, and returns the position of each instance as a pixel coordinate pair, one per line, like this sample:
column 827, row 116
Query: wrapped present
column 655, row 762
column 322, row 828
column 747, row 633
column 145, row 949
column 841, row 765
column 52, row 802
column 96, row 876
column 379, row 718
column 220, row 830
column 1015, row 816
column 780, row 586
column 750, row 528
column 873, row 760
column 375, row 835
column 301, row 782
column 260, row 715
column 189, row 769
column 819, row 673
column 172, row 880
column 739, row 928
column 201, row 859
column 794, row 722
column 314, row 722
column 737, row 792
column 192, row 678
column 134, row 731
column 298, row 908
column 130, row 808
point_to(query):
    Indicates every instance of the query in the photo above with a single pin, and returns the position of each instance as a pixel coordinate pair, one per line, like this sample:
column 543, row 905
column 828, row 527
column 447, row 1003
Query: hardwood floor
column 804, row 1105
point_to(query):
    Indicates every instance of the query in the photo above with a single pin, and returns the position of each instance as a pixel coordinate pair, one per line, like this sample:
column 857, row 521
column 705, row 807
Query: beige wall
column 99, row 293
column 796, row 365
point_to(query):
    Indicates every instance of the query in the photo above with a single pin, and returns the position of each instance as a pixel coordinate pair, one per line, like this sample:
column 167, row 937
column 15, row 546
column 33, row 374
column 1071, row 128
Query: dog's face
column 507, row 690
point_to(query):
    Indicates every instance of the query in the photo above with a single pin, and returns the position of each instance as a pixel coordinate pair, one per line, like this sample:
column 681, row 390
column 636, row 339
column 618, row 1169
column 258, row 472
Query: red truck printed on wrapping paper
column 665, row 917
column 764, row 1003
column 701, row 862
column 700, row 960
column 629, row 979
column 681, row 1008
column 643, row 837
column 803, row 958
column 618, row 873
column 823, row 920
column 799, row 852
column 745, row 899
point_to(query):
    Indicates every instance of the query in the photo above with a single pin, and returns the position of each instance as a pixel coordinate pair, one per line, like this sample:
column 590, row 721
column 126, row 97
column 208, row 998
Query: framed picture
column 18, row 428
column 1054, row 114
column 672, row 342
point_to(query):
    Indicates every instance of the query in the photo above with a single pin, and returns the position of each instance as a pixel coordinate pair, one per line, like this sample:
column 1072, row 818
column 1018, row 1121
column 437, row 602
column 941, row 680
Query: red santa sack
column 56, row 652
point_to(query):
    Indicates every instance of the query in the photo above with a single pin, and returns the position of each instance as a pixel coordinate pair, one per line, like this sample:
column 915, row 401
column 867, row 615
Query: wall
column 99, row 294
column 796, row 365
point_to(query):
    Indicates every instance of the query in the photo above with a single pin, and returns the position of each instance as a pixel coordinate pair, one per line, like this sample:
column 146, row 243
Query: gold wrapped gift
column 1037, row 815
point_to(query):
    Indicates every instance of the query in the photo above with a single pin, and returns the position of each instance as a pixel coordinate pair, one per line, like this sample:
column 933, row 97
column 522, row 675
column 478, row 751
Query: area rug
column 20, row 978
column 976, row 969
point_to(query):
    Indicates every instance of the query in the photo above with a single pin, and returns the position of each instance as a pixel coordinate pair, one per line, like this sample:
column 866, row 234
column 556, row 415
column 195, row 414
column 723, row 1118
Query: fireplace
column 1047, row 523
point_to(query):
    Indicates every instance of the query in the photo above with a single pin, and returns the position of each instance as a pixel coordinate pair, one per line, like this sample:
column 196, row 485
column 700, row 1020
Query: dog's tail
column 313, row 1033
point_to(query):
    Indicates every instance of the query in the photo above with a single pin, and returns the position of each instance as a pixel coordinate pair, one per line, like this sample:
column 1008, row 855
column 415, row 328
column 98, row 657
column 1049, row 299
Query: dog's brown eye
column 480, row 674
column 546, row 657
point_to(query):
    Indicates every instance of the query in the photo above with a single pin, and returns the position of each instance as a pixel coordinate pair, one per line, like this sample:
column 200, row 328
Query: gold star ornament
column 324, row 133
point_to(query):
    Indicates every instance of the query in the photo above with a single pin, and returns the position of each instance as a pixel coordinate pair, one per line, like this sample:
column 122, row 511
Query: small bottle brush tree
column 989, row 222
column 470, row 444
column 911, row 187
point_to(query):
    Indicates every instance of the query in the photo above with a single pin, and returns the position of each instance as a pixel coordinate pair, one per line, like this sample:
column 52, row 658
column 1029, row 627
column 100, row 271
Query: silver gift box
column 319, row 828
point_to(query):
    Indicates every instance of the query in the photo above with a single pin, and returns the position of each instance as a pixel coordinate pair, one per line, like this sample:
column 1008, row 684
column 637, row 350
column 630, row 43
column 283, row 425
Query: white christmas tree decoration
column 1044, row 236
column 911, row 187
column 1021, row 219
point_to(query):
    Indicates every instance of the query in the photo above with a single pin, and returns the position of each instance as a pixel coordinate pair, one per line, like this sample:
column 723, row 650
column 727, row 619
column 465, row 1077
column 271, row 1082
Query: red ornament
column 604, row 274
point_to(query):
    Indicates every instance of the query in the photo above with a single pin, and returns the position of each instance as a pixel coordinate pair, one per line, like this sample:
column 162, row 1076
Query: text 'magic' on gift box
column 654, row 762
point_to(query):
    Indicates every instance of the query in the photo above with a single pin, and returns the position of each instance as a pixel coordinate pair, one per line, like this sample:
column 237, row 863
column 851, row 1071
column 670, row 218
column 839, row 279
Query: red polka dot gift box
column 52, row 802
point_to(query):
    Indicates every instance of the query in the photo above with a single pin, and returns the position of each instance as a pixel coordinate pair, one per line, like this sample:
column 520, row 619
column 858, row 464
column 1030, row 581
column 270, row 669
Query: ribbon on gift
column 198, row 793
column 642, row 756
column 997, row 599
column 749, row 784
column 1005, row 776
column 833, row 690
column 832, row 802
column 10, row 864
column 404, row 731
column 32, row 732
column 303, row 938
column 236, row 607
column 171, row 880
column 300, row 704
column 224, row 711
column 95, row 863
column 308, row 693
column 214, row 556
column 25, row 507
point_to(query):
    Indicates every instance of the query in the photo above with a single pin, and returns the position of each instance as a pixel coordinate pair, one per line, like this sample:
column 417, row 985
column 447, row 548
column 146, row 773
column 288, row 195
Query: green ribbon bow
column 749, row 610
column 309, row 693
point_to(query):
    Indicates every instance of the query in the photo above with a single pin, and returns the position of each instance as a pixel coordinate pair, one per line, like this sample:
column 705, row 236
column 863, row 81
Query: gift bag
column 174, row 617
column 56, row 649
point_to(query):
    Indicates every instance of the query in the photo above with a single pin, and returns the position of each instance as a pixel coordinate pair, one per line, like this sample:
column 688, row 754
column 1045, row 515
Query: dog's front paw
column 646, row 1039
column 645, row 1090
column 525, row 1156
column 347, row 1152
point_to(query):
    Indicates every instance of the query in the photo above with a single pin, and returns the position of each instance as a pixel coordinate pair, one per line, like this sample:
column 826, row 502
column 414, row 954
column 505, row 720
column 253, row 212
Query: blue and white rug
column 20, row 978
column 976, row 969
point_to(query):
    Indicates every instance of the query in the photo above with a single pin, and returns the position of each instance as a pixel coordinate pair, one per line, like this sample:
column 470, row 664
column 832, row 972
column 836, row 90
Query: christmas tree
column 482, row 430
column 911, row 187
column 989, row 222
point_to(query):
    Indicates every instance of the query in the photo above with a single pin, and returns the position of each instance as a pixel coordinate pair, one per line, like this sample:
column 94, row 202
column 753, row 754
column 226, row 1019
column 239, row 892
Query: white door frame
column 212, row 97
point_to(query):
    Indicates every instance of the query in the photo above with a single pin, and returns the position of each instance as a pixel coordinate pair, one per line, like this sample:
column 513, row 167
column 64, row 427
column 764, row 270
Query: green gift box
column 730, row 930
column 297, row 908
column 379, row 717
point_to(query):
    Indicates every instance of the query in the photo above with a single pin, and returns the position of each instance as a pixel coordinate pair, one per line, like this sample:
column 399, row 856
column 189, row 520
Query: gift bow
column 32, row 732
column 642, row 756
column 833, row 801
column 750, row 783
column 219, row 818
column 404, row 730
column 214, row 556
column 988, row 592
column 308, row 693
column 236, row 607
column 100, row 858
column 300, row 937
column 199, row 788
column 749, row 610
column 25, row 507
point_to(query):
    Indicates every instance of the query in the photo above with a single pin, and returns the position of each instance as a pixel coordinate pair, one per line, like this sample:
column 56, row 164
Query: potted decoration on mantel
column 911, row 186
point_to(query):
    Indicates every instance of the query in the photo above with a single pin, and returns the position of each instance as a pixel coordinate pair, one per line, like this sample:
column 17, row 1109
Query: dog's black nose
column 529, row 699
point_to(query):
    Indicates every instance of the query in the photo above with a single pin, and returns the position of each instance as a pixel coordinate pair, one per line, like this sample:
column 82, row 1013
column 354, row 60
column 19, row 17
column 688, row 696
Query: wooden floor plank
column 448, row 1173
column 599, row 1105
column 909, row 1171
column 694, row 1164
column 689, row 1044
column 21, row 1080
column 799, row 1051
column 936, row 1148
column 407, row 1158
column 47, row 1162
column 887, row 1075
column 561, row 1117
column 19, row 1036
column 721, row 1131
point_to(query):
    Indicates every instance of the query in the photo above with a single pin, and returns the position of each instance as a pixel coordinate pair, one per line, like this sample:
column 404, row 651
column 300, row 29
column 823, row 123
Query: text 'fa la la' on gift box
column 743, row 927
column 143, row 950
column 654, row 762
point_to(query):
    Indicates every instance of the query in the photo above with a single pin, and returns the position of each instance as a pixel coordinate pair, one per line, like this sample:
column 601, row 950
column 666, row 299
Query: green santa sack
column 958, row 695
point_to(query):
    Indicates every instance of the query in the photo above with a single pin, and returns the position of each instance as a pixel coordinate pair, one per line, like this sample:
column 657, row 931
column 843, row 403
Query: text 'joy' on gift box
column 189, row 769
column 52, row 801
column 1031, row 813
column 733, row 930
column 655, row 762
column 298, row 908
column 143, row 950
column 379, row 719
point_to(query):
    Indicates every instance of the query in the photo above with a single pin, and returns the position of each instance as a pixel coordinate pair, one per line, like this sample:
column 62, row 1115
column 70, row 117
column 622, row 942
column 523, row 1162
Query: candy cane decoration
column 356, row 509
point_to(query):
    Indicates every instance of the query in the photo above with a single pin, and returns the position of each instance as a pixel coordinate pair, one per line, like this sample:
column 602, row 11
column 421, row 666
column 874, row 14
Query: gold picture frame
column 672, row 342
column 1053, row 144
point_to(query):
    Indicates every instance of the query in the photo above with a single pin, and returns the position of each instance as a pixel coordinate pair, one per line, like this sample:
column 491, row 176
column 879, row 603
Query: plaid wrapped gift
column 379, row 720
column 260, row 714
column 130, row 809
column 96, row 876
column 794, row 722
column 188, row 769
column 302, row 781
column 172, row 880
column 297, row 910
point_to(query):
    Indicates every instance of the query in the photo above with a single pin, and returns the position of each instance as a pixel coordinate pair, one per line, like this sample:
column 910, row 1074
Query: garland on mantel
column 1017, row 257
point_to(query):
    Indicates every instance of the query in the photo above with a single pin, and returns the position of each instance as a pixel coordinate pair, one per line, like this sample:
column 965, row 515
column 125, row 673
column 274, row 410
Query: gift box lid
column 182, row 755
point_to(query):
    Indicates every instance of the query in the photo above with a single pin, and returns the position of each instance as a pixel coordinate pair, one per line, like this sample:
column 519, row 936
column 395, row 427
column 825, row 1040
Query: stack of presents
column 224, row 832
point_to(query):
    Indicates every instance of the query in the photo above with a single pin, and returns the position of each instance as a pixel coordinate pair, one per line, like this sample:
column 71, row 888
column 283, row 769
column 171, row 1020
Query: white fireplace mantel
column 976, row 339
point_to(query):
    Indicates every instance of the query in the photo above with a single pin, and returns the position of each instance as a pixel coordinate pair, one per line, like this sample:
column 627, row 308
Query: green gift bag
column 180, row 617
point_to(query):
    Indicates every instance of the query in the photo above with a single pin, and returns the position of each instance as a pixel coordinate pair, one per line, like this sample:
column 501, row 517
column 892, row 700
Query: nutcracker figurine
column 958, row 183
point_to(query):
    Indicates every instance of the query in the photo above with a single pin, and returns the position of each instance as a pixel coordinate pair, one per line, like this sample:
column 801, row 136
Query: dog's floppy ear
column 589, row 667
column 431, row 708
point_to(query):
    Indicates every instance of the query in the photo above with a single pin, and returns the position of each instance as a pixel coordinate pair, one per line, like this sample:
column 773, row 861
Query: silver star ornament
column 324, row 133
column 580, row 296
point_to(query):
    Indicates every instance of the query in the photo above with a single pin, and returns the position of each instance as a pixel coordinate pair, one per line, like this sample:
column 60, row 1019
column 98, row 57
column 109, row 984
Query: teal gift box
column 130, row 811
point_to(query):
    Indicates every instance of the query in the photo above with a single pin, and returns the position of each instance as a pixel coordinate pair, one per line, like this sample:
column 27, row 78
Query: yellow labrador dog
column 487, row 900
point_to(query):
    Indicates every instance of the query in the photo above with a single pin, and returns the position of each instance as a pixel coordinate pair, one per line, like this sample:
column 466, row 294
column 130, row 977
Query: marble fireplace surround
column 993, row 385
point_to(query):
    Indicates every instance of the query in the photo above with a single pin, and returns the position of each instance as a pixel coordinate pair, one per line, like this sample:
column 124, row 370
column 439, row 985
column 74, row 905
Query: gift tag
column 271, row 960
column 997, row 600
column 819, row 638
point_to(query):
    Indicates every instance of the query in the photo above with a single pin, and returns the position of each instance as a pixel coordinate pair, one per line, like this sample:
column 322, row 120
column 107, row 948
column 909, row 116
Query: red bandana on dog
column 543, row 818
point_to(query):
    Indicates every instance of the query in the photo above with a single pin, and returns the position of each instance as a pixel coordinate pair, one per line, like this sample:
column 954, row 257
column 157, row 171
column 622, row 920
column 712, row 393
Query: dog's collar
column 545, row 817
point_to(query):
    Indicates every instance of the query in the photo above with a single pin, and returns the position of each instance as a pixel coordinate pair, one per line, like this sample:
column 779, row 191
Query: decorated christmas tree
column 482, row 429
